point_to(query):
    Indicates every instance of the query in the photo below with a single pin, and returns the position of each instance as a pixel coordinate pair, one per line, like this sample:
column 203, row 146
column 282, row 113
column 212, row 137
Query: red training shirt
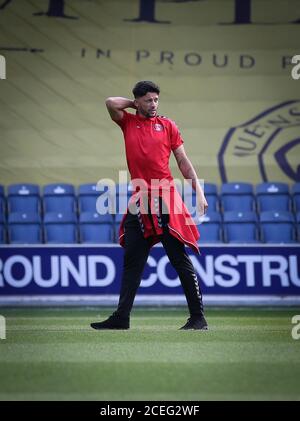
column 148, row 143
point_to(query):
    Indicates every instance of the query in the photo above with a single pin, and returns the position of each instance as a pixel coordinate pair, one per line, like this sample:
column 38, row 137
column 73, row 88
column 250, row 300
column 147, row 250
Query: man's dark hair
column 143, row 87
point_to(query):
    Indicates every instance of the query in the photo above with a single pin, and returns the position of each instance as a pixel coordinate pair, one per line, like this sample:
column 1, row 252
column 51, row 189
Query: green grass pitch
column 52, row 354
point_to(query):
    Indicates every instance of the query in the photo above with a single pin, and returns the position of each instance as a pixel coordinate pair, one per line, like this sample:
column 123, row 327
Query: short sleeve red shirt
column 148, row 144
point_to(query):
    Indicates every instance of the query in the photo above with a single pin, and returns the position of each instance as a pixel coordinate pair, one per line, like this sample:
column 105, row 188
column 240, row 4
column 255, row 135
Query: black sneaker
column 113, row 322
column 196, row 323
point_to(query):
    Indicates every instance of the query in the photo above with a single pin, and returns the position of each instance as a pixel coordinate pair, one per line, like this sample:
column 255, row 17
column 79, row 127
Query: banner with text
column 232, row 270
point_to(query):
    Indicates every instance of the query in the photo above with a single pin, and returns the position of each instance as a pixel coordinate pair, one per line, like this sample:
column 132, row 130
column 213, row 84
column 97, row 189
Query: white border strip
column 149, row 300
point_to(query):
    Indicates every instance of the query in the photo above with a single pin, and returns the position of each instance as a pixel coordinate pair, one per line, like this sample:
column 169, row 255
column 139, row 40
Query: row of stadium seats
column 62, row 228
column 245, row 197
column 234, row 227
column 232, row 197
column 247, row 227
column 26, row 217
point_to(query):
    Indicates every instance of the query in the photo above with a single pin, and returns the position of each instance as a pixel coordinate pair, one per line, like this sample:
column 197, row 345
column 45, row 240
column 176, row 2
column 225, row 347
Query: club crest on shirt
column 158, row 127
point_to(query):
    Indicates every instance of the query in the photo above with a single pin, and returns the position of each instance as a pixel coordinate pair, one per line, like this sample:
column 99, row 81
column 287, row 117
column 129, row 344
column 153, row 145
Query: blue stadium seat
column 190, row 203
column 240, row 227
column 298, row 226
column 273, row 197
column 118, row 218
column 23, row 198
column 123, row 189
column 211, row 194
column 2, row 200
column 296, row 196
column 237, row 197
column 88, row 196
column 59, row 198
column 60, row 227
column 2, row 205
column 188, row 194
column 123, row 194
column 116, row 233
column 210, row 228
column 2, row 229
column 122, row 203
column 277, row 227
column 24, row 228
column 95, row 228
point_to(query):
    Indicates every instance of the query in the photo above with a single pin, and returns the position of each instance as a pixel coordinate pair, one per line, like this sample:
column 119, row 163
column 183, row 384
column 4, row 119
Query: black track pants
column 137, row 250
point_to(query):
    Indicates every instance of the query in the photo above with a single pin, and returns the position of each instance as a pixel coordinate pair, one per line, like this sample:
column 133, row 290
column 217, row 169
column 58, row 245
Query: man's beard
column 147, row 114
column 150, row 115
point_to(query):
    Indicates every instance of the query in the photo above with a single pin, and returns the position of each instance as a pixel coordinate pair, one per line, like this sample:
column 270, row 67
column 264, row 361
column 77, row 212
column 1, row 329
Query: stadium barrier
column 76, row 275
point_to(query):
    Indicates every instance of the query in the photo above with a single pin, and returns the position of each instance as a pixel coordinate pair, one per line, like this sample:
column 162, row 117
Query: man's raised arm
column 116, row 105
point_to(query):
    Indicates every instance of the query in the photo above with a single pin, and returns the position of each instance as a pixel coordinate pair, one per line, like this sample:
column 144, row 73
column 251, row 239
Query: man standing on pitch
column 156, row 212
